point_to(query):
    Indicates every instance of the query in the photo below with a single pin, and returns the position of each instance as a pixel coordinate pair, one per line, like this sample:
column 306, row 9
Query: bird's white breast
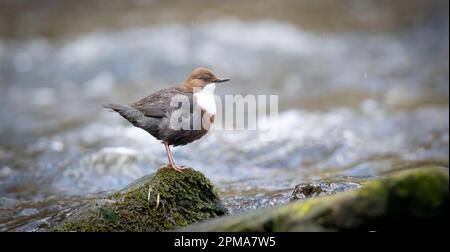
column 205, row 98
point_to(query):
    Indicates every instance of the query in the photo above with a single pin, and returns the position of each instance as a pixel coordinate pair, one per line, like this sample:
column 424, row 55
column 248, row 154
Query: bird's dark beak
column 221, row 80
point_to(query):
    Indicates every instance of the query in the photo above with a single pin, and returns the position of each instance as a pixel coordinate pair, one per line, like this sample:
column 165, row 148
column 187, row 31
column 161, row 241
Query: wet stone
column 303, row 191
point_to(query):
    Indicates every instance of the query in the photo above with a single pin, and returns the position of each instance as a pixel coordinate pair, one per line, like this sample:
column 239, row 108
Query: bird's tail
column 114, row 107
column 131, row 114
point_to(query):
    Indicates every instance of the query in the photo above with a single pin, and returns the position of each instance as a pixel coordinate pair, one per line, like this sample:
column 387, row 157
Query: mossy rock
column 184, row 198
column 416, row 199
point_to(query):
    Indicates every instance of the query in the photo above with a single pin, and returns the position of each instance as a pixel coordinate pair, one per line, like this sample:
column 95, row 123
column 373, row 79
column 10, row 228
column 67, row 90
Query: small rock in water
column 304, row 191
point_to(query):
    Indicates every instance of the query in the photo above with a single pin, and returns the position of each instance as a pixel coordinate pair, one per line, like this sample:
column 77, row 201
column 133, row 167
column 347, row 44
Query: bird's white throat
column 205, row 98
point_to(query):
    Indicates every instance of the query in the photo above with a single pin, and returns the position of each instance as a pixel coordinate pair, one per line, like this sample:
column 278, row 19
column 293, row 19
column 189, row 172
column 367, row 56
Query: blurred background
column 363, row 89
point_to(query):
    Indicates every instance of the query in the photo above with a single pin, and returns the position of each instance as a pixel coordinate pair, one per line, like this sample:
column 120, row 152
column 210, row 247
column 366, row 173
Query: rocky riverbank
column 416, row 199
column 166, row 200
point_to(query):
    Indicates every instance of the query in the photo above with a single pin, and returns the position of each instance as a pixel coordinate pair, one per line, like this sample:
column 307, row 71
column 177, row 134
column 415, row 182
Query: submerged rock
column 165, row 200
column 304, row 191
column 411, row 200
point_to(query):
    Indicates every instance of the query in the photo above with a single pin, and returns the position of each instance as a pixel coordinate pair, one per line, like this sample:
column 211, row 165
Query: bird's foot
column 177, row 168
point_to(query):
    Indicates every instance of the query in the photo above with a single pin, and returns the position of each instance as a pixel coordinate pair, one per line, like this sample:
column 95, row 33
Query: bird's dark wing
column 158, row 104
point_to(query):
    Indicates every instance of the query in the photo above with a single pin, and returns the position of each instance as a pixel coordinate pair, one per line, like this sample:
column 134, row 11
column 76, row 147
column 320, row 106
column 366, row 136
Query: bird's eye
column 203, row 78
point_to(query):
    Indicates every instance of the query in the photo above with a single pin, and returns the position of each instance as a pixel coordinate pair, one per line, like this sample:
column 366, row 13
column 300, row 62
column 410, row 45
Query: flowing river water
column 353, row 106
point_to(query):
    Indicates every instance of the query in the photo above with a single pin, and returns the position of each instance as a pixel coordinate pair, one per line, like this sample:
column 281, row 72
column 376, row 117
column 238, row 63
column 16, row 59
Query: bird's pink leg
column 170, row 157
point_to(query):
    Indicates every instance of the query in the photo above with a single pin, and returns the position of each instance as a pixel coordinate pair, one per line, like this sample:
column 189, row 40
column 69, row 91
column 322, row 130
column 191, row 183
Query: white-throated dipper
column 155, row 112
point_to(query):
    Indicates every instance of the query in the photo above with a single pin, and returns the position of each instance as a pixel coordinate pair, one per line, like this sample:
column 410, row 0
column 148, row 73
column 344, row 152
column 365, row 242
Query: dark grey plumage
column 153, row 114
column 158, row 104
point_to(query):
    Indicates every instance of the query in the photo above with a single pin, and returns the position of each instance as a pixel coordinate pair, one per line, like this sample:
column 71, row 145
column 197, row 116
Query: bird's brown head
column 200, row 78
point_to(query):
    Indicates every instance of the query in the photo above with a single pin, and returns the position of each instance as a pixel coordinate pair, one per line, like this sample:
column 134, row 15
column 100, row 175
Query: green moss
column 411, row 200
column 184, row 198
column 109, row 214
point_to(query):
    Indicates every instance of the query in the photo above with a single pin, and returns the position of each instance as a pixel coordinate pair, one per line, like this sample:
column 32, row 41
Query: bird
column 159, row 112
